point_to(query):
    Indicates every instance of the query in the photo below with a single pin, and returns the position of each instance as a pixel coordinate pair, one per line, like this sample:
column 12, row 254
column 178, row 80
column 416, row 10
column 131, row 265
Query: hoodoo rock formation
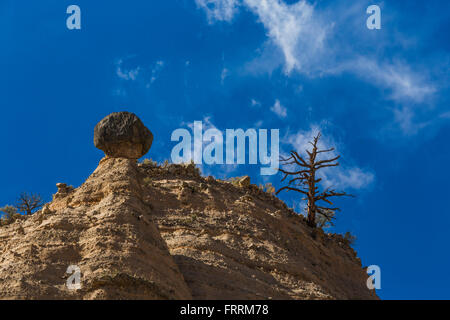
column 143, row 231
column 122, row 134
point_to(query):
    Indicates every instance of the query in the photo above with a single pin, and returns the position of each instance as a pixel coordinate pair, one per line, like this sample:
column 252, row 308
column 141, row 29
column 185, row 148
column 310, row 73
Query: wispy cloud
column 279, row 109
column 155, row 71
column 143, row 75
column 126, row 74
column 404, row 84
column 445, row 115
column 218, row 10
column 341, row 177
column 408, row 89
column 255, row 103
column 306, row 42
column 294, row 28
column 258, row 124
column 223, row 75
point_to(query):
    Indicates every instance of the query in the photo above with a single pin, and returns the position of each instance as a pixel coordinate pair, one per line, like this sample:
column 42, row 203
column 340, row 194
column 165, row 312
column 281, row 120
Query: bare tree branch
column 28, row 203
column 308, row 183
column 293, row 189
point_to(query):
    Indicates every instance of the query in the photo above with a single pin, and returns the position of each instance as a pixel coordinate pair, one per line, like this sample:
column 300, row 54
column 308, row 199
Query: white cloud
column 445, row 115
column 126, row 74
column 218, row 10
column 407, row 88
column 302, row 33
column 354, row 178
column 404, row 117
column 404, row 84
column 279, row 109
column 294, row 28
column 223, row 75
column 302, row 38
column 341, row 177
column 255, row 103
column 143, row 75
column 206, row 124
column 258, row 124
column 156, row 70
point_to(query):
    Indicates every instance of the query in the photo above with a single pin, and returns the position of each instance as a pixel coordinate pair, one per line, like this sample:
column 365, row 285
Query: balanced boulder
column 122, row 135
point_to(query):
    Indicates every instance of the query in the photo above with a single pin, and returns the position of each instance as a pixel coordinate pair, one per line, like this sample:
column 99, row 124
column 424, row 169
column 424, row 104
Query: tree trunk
column 311, row 214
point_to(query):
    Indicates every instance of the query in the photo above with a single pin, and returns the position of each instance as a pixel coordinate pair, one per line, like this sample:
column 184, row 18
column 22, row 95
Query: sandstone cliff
column 149, row 232
column 142, row 231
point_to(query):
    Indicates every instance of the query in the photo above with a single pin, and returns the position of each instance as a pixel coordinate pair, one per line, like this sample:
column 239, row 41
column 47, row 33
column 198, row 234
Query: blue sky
column 381, row 97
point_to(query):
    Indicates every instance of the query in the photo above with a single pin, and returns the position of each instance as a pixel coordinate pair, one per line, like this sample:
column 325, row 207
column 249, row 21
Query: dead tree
column 28, row 203
column 304, row 180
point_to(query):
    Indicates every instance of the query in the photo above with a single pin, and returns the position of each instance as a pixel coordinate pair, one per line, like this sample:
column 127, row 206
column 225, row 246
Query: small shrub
column 350, row 238
column 150, row 162
column 9, row 215
column 191, row 168
column 235, row 181
column 8, row 212
column 29, row 203
column 147, row 181
column 268, row 187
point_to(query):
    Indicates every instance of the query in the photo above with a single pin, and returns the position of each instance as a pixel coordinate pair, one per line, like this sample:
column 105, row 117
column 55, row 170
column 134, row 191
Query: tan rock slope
column 142, row 231
column 102, row 228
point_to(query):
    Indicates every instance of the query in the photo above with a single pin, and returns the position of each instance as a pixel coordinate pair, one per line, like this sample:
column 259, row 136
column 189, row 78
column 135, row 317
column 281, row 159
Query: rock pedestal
column 122, row 135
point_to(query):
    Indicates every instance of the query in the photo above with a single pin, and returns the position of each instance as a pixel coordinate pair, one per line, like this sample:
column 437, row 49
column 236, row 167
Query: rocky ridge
column 146, row 231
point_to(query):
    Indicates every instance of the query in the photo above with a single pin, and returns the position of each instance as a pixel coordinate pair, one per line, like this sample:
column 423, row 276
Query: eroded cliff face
column 102, row 228
column 140, row 231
